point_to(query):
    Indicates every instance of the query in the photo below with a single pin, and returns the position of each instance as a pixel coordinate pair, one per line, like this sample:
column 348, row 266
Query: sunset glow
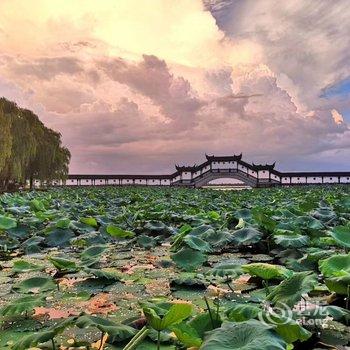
column 134, row 86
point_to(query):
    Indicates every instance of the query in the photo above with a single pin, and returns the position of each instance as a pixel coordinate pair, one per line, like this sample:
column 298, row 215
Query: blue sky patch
column 340, row 89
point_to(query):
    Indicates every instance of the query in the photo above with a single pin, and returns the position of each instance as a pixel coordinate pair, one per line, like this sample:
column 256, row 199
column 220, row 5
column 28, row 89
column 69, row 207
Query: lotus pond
column 162, row 268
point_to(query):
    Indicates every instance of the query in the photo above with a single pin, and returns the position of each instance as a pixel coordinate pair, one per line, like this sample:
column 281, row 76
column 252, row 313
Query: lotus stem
column 228, row 284
column 101, row 340
column 53, row 344
column 217, row 309
column 209, row 310
column 137, row 339
column 158, row 340
column 347, row 297
column 305, row 302
column 268, row 244
column 266, row 286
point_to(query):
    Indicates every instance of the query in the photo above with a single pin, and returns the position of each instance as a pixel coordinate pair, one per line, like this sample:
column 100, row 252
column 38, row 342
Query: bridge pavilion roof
column 224, row 158
column 186, row 167
column 264, row 166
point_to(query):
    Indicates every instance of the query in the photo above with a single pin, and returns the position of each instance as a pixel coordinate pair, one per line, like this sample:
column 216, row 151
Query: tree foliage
column 28, row 149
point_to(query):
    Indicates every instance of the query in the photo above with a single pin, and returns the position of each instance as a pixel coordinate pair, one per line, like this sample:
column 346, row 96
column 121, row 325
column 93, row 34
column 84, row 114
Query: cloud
column 134, row 87
column 151, row 77
column 338, row 118
column 44, row 68
column 305, row 44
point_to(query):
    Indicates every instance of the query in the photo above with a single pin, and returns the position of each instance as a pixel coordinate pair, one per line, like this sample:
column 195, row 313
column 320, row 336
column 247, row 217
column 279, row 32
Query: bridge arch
column 208, row 177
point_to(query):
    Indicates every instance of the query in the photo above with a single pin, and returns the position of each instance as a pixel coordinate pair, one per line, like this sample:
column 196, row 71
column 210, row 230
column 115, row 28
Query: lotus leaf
column 59, row 238
column 117, row 232
column 197, row 243
column 291, row 290
column 335, row 265
column 188, row 259
column 246, row 236
column 248, row 335
column 35, row 285
column 25, row 266
column 292, row 241
column 267, row 271
column 342, row 235
column 7, row 223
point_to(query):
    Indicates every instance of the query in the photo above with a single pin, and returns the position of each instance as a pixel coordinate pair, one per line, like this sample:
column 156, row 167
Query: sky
column 135, row 86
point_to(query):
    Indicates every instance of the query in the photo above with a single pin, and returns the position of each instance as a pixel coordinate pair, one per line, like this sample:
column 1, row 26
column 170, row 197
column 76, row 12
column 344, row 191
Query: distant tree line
column 28, row 149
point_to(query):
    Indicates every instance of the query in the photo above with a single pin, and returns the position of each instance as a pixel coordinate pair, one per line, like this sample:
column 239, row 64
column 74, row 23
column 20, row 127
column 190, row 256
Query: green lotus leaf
column 146, row 242
column 37, row 205
column 231, row 268
column 321, row 312
column 63, row 223
column 19, row 232
column 198, row 230
column 197, row 243
column 205, row 322
column 189, row 279
column 89, row 221
column 35, row 285
column 335, row 265
column 325, row 214
column 244, row 213
column 116, row 332
column 25, row 266
column 32, row 245
column 59, row 238
column 188, row 259
column 117, row 232
column 187, row 335
column 103, row 274
column 308, row 223
column 93, row 252
column 292, row 241
column 86, row 321
column 267, row 271
column 22, row 305
column 289, row 329
column 265, row 221
column 37, row 338
column 176, row 313
column 216, row 239
column 34, row 339
column 62, row 264
column 316, row 254
column 248, row 335
column 7, row 222
column 339, row 285
column 81, row 227
column 155, row 226
column 213, row 215
column 246, row 236
column 242, row 312
column 342, row 235
column 119, row 332
column 291, row 290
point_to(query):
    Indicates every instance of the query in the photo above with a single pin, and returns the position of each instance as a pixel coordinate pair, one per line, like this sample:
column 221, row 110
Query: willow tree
column 28, row 149
column 7, row 109
column 51, row 160
column 24, row 147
